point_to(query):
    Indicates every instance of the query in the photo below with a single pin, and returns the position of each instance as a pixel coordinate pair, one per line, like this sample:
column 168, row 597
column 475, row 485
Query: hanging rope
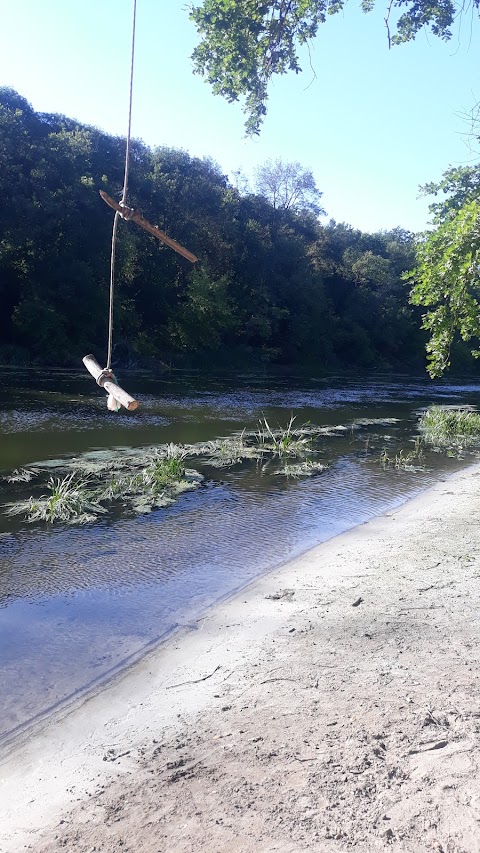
column 105, row 378
column 123, row 201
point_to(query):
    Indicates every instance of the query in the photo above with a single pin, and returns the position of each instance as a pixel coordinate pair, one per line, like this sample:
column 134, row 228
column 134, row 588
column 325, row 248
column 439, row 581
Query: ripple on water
column 77, row 602
column 91, row 418
column 99, row 595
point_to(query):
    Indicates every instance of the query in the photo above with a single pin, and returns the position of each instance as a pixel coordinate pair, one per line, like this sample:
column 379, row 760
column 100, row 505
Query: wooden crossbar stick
column 136, row 216
column 110, row 387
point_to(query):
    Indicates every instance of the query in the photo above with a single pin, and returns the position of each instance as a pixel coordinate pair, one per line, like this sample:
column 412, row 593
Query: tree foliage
column 288, row 186
column 272, row 282
column 447, row 282
column 447, row 277
column 244, row 43
column 459, row 185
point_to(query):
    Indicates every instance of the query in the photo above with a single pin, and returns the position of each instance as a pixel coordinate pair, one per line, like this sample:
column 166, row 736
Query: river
column 79, row 603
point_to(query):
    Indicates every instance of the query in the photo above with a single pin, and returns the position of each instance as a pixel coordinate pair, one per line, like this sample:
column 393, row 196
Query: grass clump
column 445, row 426
column 138, row 482
column 68, row 500
column 307, row 468
column 410, row 461
column 283, row 442
column 161, row 473
column 227, row 452
column 149, row 482
column 154, row 484
column 21, row 475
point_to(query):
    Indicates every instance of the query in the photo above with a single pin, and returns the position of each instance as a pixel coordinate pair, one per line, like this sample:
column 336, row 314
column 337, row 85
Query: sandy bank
column 334, row 704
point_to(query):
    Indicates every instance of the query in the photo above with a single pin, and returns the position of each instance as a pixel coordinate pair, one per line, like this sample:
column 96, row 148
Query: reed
column 283, row 442
column 444, row 426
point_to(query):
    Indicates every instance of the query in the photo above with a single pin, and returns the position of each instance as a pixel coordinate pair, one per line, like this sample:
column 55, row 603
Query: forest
column 274, row 282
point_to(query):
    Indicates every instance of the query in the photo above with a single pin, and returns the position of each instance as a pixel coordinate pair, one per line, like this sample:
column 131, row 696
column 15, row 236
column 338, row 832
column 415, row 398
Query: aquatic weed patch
column 138, row 480
column 67, row 499
column 21, row 475
column 226, row 452
column 100, row 481
column 410, row 460
column 446, row 426
column 283, row 442
column 307, row 468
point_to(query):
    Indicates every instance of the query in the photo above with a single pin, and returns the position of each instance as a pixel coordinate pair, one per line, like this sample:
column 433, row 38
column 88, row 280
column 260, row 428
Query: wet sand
column 333, row 704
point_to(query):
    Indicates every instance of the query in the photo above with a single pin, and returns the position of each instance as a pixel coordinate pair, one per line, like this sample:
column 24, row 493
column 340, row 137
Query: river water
column 79, row 603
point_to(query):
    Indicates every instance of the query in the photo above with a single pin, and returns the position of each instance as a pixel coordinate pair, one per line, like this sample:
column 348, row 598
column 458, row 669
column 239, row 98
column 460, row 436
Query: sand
column 333, row 704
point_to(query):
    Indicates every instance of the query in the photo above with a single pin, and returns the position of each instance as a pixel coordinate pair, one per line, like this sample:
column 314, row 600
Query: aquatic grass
column 163, row 472
column 157, row 486
column 411, row 460
column 283, row 442
column 307, row 430
column 297, row 440
column 130, row 479
column 171, row 451
column 152, row 484
column 358, row 423
column 113, row 490
column 445, row 426
column 226, row 452
column 21, row 475
column 68, row 500
column 100, row 462
column 138, row 480
column 307, row 468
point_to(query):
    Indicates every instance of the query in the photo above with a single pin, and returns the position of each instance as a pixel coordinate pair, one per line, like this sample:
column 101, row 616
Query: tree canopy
column 272, row 284
column 447, row 276
column 244, row 43
column 288, row 186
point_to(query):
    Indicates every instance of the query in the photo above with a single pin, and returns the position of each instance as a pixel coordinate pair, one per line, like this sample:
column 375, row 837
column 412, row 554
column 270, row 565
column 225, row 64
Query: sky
column 372, row 124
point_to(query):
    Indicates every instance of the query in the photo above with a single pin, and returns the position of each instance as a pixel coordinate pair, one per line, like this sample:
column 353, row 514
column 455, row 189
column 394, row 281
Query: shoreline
column 286, row 644
column 12, row 738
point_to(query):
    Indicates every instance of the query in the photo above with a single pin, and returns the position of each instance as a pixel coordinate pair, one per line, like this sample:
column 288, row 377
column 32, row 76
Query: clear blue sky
column 372, row 126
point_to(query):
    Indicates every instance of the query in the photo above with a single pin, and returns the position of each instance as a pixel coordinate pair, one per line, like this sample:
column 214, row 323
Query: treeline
column 271, row 284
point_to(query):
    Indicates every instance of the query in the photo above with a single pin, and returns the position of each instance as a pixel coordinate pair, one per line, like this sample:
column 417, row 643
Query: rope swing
column 105, row 378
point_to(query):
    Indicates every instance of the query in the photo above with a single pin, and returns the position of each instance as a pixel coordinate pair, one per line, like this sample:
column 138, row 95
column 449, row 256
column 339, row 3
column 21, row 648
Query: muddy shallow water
column 77, row 603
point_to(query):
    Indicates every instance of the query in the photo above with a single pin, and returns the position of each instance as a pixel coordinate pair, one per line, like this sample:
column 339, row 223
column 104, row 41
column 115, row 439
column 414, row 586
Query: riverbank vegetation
column 272, row 284
column 243, row 47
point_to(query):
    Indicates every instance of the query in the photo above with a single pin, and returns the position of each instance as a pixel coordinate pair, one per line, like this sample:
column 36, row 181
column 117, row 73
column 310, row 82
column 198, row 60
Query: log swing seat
column 105, row 377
